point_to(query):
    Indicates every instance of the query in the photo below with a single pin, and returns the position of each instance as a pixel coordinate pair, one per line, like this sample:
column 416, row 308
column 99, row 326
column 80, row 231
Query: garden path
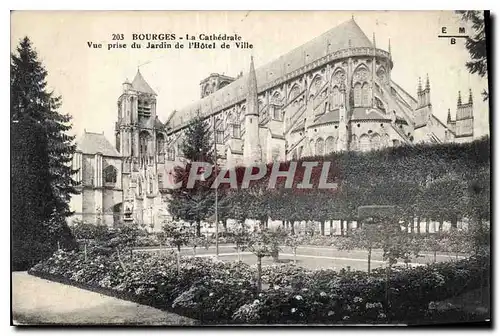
column 39, row 301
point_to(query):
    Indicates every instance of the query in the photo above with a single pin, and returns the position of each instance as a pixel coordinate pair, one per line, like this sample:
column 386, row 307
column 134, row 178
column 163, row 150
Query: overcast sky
column 89, row 80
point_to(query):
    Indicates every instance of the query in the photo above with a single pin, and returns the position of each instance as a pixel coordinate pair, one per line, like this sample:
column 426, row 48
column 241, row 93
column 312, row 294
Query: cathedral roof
column 344, row 36
column 140, row 84
column 93, row 143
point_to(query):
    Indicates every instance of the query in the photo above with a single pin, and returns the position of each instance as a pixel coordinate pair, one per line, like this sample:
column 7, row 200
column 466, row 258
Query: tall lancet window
column 335, row 97
column 320, row 146
column 160, row 143
column 143, row 143
column 357, row 94
column 365, row 97
column 219, row 131
column 330, row 145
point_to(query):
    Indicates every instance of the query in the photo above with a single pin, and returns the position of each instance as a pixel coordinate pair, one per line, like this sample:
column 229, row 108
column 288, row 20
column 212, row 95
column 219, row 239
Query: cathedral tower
column 465, row 118
column 424, row 106
column 135, row 129
column 251, row 149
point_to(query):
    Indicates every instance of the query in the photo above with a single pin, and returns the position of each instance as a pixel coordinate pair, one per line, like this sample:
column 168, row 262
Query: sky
column 90, row 80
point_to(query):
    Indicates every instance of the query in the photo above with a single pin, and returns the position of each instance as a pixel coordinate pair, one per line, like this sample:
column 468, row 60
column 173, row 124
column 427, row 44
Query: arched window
column 233, row 126
column 354, row 143
column 376, row 141
column 357, row 94
column 365, row 95
column 320, row 146
column 143, row 143
column 170, row 153
column 160, row 143
column 219, row 131
column 330, row 145
column 110, row 175
column 294, row 155
column 311, row 145
column 364, row 143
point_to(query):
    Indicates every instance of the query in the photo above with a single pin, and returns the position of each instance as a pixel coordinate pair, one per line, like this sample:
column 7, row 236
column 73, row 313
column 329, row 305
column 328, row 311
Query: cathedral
column 333, row 93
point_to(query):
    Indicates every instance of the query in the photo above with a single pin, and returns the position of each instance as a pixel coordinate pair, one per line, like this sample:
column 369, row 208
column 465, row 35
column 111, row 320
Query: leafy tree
column 194, row 204
column 241, row 236
column 367, row 238
column 41, row 174
column 293, row 241
column 263, row 243
column 176, row 234
column 476, row 45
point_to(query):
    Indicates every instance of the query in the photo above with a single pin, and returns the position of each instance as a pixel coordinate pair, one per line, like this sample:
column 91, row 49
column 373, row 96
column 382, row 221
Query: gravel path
column 39, row 301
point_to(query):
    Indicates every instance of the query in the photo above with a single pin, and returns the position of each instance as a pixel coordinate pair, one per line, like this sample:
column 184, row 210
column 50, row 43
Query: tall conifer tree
column 41, row 173
column 194, row 204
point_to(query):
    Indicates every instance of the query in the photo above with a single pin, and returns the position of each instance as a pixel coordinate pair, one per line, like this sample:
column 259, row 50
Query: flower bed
column 213, row 291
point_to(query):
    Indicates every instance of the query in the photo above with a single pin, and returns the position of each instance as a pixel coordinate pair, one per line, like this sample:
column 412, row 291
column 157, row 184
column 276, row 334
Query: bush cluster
column 214, row 291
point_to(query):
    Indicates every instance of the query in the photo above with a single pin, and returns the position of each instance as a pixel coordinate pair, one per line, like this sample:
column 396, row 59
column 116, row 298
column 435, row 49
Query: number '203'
column 117, row 37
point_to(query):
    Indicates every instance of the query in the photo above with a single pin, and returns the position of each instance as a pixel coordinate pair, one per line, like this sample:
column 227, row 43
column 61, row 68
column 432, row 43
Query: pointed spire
column 459, row 102
column 427, row 84
column 350, row 43
column 389, row 45
column 373, row 38
column 470, row 96
column 419, row 85
column 252, row 105
column 448, row 120
column 140, row 84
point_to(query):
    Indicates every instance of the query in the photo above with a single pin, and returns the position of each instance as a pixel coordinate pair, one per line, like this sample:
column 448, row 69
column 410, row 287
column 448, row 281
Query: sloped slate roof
column 140, row 84
column 93, row 143
column 344, row 36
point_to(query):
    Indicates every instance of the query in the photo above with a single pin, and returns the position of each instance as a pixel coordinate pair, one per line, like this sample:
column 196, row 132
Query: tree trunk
column 194, row 251
column 418, row 225
column 259, row 273
column 369, row 259
column 198, row 228
column 435, row 255
column 427, row 225
column 322, row 227
column 179, row 261
column 440, row 225
column 292, row 227
column 224, row 224
column 454, row 221
column 331, row 227
column 295, row 255
column 347, row 228
column 238, row 252
column 342, row 232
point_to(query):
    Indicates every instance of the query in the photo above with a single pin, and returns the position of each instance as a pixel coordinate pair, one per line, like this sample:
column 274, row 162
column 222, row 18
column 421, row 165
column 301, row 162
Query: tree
column 241, row 236
column 194, row 204
column 366, row 238
column 476, row 45
column 176, row 234
column 263, row 243
column 293, row 241
column 41, row 173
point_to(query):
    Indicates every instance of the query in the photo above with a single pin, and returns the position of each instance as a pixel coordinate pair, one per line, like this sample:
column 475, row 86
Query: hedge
column 216, row 292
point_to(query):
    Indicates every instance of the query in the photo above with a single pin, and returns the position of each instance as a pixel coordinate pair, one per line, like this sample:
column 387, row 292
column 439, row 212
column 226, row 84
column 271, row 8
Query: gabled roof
column 344, row 36
column 93, row 143
column 140, row 84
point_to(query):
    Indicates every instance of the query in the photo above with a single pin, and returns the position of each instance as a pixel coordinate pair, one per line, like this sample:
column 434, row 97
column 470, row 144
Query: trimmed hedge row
column 216, row 292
